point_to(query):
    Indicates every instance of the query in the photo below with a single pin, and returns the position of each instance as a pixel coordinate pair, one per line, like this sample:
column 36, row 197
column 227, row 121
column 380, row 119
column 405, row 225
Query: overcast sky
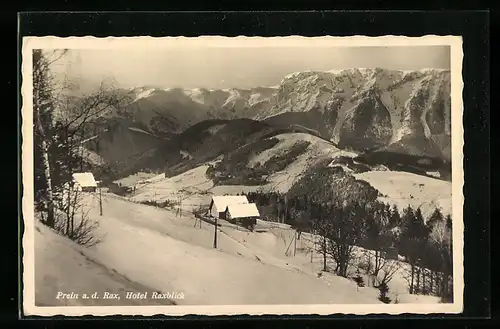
column 220, row 67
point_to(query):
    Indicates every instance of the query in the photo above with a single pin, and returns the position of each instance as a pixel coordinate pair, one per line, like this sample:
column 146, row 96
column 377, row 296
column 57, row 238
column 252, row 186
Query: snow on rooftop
column 222, row 201
column 243, row 210
column 85, row 179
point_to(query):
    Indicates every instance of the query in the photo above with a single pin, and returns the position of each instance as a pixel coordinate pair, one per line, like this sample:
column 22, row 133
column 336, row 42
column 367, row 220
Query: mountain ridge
column 417, row 102
column 358, row 109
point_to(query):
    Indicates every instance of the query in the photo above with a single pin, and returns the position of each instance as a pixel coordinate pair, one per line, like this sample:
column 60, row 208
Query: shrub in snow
column 161, row 204
column 72, row 218
column 384, row 290
column 359, row 280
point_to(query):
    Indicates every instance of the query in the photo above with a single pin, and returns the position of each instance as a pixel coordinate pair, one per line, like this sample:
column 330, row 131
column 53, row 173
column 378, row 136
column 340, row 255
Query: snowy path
column 61, row 266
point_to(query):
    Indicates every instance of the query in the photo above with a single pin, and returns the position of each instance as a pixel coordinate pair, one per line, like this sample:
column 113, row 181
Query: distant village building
column 84, row 182
column 219, row 204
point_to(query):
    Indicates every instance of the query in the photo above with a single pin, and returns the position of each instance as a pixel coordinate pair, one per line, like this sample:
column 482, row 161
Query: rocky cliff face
column 367, row 124
column 367, row 108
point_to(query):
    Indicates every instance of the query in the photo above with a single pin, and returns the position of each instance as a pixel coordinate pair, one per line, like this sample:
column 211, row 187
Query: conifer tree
column 384, row 290
column 412, row 242
column 435, row 217
column 395, row 218
column 359, row 279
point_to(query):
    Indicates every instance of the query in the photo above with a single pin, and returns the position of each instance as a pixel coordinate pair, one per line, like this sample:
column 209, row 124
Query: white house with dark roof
column 240, row 211
column 245, row 214
column 84, row 182
column 219, row 204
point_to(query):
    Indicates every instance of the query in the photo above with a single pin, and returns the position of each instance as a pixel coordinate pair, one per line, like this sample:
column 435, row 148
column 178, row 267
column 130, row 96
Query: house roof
column 85, row 179
column 243, row 210
column 222, row 201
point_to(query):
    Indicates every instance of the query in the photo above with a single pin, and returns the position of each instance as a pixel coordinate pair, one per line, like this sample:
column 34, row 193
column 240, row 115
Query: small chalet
column 242, row 211
column 85, row 182
column 219, row 204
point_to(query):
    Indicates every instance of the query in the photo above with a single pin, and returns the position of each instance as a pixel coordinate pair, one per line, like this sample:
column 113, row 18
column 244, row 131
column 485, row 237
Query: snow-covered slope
column 62, row 266
column 195, row 187
column 403, row 189
column 318, row 148
column 192, row 186
column 170, row 254
column 246, row 268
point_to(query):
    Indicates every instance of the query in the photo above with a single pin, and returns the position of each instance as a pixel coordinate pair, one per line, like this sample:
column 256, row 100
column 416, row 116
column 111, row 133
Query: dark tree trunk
column 418, row 280
column 412, row 278
column 324, row 253
column 424, row 288
column 432, row 282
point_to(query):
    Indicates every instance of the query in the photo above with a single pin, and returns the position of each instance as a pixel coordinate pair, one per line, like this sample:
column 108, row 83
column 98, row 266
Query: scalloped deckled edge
column 90, row 42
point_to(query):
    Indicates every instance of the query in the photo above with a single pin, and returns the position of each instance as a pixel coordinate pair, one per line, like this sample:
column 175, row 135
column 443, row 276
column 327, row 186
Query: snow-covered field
column 191, row 186
column 195, row 188
column 149, row 249
column 403, row 189
column 133, row 179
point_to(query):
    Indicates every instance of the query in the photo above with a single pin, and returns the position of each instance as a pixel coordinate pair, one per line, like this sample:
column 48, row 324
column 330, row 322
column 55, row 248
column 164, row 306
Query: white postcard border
column 88, row 42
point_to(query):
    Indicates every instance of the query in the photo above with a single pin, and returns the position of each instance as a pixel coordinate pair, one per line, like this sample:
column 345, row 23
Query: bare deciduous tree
column 73, row 219
column 43, row 110
column 344, row 231
column 441, row 237
column 64, row 118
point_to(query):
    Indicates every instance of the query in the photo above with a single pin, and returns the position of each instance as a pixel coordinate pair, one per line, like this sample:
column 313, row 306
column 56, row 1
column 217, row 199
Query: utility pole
column 180, row 207
column 215, row 233
column 100, row 200
column 99, row 186
column 286, row 209
column 200, row 215
column 294, row 243
column 313, row 246
column 324, row 253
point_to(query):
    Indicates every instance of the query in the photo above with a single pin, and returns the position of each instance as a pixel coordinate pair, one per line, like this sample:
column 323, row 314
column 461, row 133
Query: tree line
column 384, row 231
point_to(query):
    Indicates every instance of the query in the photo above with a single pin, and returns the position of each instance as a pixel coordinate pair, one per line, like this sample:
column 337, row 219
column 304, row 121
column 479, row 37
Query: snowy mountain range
column 172, row 110
column 356, row 108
